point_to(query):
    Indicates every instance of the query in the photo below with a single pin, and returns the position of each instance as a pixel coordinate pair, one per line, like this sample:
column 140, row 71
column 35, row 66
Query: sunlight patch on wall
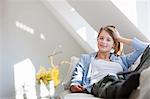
column 72, row 9
column 42, row 36
column 24, row 27
column 28, row 29
column 82, row 32
column 24, row 76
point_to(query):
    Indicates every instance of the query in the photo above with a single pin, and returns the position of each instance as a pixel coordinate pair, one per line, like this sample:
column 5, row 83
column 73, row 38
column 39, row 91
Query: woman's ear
column 114, row 46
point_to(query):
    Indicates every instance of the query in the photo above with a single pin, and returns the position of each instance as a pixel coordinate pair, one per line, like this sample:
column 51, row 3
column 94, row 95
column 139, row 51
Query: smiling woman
column 96, row 73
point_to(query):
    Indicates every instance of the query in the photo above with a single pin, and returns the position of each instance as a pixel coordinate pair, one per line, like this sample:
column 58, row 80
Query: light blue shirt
column 81, row 74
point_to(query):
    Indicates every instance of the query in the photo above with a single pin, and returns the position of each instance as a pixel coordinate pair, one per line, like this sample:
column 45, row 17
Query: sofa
column 142, row 92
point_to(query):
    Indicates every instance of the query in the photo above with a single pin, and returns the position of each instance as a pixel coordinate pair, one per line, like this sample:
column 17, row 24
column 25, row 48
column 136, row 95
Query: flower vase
column 43, row 90
column 51, row 88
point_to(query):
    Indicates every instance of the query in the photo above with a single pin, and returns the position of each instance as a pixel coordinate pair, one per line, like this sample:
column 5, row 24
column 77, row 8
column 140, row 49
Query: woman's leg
column 114, row 88
column 126, row 88
column 106, row 88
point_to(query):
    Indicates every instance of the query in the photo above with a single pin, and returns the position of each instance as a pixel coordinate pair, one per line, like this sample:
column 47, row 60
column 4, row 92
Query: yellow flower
column 43, row 75
column 47, row 75
column 55, row 75
column 53, row 72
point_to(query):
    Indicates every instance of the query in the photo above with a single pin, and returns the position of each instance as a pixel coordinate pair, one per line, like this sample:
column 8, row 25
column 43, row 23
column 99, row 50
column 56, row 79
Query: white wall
column 0, row 43
column 19, row 44
column 1, row 47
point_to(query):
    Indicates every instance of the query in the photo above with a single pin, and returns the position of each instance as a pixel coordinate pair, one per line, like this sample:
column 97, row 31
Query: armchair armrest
column 66, row 81
column 66, row 85
column 63, row 94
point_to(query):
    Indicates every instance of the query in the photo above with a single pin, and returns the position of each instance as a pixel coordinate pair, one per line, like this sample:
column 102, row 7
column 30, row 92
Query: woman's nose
column 104, row 41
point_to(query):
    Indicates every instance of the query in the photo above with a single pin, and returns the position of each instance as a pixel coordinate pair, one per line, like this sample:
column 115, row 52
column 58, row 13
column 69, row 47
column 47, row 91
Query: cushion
column 66, row 82
column 145, row 84
column 137, row 62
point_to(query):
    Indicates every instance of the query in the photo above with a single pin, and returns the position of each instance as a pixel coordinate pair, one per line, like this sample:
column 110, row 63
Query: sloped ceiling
column 103, row 12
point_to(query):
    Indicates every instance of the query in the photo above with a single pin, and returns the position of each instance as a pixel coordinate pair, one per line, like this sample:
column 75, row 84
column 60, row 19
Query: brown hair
column 111, row 29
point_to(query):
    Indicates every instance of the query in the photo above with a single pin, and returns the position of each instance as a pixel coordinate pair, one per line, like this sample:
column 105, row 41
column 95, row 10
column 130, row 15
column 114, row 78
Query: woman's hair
column 111, row 29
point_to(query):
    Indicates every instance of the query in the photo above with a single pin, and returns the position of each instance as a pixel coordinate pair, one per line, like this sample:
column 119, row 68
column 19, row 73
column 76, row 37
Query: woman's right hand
column 122, row 39
column 76, row 88
column 117, row 35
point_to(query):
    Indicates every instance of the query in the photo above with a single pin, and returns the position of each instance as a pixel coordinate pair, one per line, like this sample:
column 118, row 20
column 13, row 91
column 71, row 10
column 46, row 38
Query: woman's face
column 105, row 42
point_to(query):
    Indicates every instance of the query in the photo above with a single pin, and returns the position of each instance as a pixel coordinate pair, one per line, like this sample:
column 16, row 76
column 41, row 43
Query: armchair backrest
column 66, row 82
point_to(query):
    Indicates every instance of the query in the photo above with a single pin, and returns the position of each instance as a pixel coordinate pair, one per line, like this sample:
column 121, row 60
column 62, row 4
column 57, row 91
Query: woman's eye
column 101, row 38
column 108, row 40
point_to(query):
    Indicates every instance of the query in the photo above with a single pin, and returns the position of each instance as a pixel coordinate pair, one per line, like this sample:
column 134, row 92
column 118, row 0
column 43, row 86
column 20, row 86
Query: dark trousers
column 107, row 87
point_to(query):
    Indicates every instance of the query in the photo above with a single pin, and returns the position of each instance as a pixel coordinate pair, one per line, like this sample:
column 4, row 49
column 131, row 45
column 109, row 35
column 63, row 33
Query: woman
column 96, row 73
